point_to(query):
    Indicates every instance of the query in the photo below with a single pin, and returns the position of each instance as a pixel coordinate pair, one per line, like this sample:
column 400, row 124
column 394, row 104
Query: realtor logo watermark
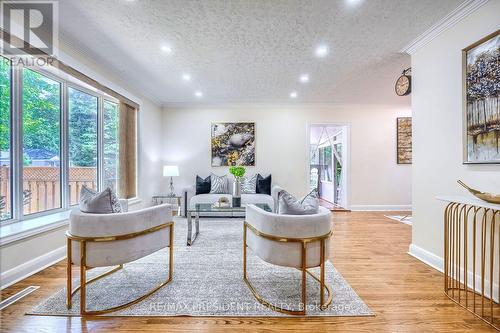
column 31, row 29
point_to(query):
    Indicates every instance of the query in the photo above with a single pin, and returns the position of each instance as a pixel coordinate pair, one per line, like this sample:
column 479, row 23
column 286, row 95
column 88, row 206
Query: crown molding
column 459, row 13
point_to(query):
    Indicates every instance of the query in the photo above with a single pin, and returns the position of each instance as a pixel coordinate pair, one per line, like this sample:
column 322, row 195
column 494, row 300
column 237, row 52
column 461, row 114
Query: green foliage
column 41, row 112
column 237, row 171
column 4, row 104
column 82, row 129
column 42, row 120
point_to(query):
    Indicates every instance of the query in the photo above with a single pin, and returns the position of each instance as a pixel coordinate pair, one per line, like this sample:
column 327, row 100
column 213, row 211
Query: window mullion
column 100, row 144
column 64, row 146
column 17, row 142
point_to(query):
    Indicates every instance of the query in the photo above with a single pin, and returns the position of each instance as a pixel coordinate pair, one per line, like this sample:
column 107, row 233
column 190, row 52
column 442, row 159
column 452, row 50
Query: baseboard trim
column 437, row 263
column 31, row 267
column 380, row 208
column 426, row 257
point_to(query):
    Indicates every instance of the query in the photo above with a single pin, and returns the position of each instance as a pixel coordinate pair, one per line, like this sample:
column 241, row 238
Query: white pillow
column 289, row 205
column 94, row 202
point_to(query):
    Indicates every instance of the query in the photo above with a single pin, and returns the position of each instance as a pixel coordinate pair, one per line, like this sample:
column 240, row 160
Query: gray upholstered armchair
column 102, row 240
column 298, row 241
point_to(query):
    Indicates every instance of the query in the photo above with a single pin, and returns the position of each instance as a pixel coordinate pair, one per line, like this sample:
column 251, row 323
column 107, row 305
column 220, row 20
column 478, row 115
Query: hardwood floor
column 332, row 206
column 369, row 250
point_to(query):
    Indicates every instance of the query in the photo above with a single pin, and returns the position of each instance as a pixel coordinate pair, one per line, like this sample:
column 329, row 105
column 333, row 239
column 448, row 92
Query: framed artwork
column 481, row 104
column 233, row 144
column 404, row 140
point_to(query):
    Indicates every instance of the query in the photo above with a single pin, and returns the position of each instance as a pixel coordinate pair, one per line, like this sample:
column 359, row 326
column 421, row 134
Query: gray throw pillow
column 219, row 184
column 94, row 202
column 289, row 205
column 249, row 185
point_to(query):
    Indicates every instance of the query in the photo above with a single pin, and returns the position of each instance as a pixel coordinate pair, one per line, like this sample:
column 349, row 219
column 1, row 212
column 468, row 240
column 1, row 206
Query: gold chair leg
column 83, row 276
column 304, row 276
column 304, row 271
column 171, row 253
column 95, row 278
column 84, row 282
column 68, row 274
column 322, row 275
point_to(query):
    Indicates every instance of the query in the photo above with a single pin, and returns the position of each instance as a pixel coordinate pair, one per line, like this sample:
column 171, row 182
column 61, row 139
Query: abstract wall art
column 481, row 109
column 404, row 140
column 233, row 144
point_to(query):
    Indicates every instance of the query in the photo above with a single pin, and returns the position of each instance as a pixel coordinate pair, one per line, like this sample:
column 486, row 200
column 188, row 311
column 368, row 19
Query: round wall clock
column 403, row 83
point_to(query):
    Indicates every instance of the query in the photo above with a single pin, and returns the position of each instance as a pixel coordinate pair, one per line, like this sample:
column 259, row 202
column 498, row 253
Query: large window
column 41, row 143
column 111, row 145
column 65, row 135
column 83, row 110
column 5, row 160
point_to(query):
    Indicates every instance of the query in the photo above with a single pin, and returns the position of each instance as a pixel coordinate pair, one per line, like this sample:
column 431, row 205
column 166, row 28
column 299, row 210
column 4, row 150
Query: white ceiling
column 254, row 50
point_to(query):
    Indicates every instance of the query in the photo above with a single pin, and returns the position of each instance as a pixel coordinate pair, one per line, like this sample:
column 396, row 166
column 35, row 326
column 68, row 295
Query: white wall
column 28, row 254
column 282, row 150
column 437, row 127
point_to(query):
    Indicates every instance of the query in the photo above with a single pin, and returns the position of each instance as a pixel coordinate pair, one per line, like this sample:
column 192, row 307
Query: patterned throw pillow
column 219, row 184
column 289, row 205
column 249, row 185
column 94, row 202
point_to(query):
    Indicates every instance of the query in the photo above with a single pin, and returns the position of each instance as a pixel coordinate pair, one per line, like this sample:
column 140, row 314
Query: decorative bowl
column 489, row 197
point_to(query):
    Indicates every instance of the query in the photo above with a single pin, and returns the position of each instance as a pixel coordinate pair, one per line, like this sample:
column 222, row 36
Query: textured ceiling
column 253, row 50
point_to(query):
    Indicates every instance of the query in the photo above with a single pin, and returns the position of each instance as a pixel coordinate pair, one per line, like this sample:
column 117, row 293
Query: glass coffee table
column 209, row 208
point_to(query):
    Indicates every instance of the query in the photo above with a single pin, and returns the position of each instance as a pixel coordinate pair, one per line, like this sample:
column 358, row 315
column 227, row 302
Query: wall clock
column 403, row 83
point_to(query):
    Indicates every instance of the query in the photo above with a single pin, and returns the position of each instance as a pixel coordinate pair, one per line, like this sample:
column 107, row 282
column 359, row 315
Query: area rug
column 207, row 282
column 406, row 219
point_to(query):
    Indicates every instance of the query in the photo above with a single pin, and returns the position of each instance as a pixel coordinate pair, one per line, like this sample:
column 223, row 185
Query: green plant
column 237, row 171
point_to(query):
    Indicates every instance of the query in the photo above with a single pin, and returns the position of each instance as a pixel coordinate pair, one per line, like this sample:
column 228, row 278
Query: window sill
column 16, row 231
column 20, row 230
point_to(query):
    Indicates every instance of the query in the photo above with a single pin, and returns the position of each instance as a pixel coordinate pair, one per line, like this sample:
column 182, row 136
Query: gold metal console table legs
column 303, row 242
column 471, row 260
column 83, row 268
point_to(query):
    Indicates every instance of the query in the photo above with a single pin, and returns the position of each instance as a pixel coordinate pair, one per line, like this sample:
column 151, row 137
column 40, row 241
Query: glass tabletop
column 212, row 208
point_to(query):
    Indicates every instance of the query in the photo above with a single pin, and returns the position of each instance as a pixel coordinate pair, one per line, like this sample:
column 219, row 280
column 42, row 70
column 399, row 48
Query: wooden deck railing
column 41, row 186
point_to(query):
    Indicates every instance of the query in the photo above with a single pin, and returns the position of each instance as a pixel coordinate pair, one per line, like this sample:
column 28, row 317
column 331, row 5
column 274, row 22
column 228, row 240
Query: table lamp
column 171, row 171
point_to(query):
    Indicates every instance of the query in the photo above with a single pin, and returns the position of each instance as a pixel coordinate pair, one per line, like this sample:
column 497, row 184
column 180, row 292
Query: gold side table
column 166, row 199
column 472, row 256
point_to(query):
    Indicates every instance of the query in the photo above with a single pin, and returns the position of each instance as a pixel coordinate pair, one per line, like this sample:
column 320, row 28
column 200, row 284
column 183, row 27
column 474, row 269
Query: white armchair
column 299, row 241
column 102, row 240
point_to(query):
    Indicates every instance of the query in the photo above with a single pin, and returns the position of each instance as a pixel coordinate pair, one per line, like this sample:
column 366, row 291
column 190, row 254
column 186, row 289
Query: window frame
column 11, row 138
column 101, row 148
column 16, row 137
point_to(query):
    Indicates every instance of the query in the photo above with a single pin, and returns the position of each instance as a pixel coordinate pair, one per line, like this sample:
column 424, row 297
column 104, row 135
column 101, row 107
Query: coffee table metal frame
column 209, row 208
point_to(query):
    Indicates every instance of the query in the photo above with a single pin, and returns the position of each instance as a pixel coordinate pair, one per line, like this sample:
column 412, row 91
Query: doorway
column 328, row 163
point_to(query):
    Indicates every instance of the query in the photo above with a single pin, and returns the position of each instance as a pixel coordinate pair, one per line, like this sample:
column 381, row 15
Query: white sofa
column 299, row 241
column 191, row 199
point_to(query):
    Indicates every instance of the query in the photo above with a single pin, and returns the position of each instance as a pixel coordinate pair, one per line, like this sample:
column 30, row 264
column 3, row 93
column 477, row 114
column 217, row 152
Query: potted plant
column 238, row 172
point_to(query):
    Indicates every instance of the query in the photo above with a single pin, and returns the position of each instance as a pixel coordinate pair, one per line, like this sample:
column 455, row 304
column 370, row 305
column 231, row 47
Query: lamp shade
column 170, row 171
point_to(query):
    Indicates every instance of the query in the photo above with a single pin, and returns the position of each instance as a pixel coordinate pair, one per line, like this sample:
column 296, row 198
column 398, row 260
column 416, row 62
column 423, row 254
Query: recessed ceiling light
column 304, row 78
column 321, row 51
column 186, row 77
column 166, row 49
column 293, row 94
column 353, row 2
column 198, row 94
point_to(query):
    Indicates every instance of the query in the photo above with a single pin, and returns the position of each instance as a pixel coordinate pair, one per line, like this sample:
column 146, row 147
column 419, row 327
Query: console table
column 472, row 256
